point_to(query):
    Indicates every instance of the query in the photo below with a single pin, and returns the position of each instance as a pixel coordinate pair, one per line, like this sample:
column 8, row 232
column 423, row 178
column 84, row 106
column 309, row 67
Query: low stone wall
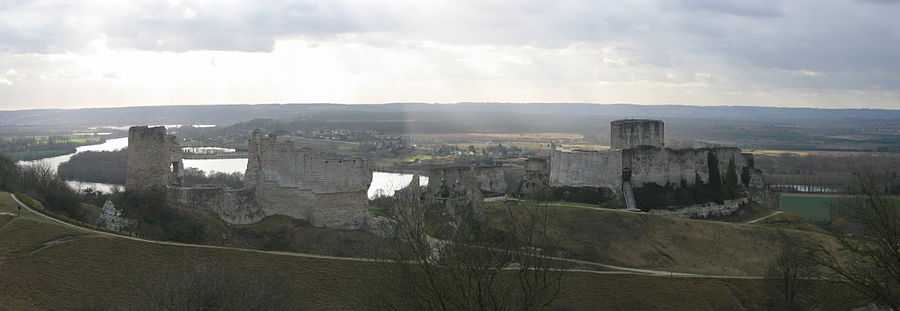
column 235, row 206
column 345, row 210
column 488, row 179
column 704, row 210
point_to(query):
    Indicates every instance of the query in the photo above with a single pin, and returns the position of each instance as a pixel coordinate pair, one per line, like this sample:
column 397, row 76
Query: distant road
column 616, row 269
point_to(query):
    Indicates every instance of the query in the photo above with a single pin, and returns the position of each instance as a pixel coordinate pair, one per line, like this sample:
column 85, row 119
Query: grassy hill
column 47, row 266
column 664, row 243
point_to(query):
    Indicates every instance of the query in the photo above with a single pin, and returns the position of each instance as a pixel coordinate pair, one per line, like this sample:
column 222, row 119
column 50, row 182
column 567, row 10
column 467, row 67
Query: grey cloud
column 734, row 7
column 219, row 27
column 54, row 26
column 852, row 43
column 847, row 43
column 882, row 1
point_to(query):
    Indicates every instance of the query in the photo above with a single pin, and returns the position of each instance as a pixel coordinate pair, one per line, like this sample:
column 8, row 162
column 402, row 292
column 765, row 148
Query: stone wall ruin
column 293, row 179
column 646, row 165
column 154, row 159
column 639, row 157
column 283, row 177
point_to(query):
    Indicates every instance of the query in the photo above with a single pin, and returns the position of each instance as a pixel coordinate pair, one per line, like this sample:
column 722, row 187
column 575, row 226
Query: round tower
column 630, row 133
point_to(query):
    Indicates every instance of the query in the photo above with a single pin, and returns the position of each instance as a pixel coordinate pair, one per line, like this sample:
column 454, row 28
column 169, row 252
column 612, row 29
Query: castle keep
column 627, row 134
column 637, row 157
column 284, row 176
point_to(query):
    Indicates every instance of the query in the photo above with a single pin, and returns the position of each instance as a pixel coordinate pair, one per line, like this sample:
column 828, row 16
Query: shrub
column 9, row 174
column 156, row 219
column 588, row 195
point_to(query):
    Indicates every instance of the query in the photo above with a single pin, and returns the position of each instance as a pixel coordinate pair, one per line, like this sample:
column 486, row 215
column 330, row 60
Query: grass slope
column 664, row 243
column 46, row 266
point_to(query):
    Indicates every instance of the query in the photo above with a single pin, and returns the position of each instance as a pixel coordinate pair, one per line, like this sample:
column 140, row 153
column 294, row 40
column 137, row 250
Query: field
column 812, row 207
column 522, row 137
column 524, row 141
column 822, row 153
column 37, row 147
column 47, row 266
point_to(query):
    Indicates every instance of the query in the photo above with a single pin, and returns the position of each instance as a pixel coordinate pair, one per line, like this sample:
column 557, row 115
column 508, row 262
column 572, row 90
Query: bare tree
column 793, row 275
column 869, row 256
column 461, row 262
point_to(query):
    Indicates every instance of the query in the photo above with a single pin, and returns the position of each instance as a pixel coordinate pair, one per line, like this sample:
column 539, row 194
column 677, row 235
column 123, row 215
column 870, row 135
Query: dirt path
column 765, row 217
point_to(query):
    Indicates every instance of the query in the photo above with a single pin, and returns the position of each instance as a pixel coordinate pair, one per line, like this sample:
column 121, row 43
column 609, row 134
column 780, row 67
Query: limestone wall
column 626, row 134
column 235, row 206
column 301, row 181
column 346, row 210
column 289, row 164
column 283, row 177
column 586, row 169
column 154, row 158
column 663, row 165
column 647, row 165
column 340, row 210
column 705, row 210
column 536, row 165
column 488, row 179
column 289, row 201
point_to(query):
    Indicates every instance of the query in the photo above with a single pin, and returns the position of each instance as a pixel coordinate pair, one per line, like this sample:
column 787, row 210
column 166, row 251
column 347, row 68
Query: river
column 383, row 183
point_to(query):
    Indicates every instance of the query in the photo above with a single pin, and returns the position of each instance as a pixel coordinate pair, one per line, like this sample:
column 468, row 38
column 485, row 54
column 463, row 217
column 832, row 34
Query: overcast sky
column 823, row 53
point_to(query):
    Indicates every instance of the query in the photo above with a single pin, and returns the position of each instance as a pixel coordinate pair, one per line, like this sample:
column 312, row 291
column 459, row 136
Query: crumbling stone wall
column 637, row 155
column 536, row 180
column 488, row 179
column 283, row 177
column 235, row 206
column 586, row 169
column 287, row 163
column 296, row 180
column 704, row 210
column 646, row 165
column 154, row 159
column 669, row 166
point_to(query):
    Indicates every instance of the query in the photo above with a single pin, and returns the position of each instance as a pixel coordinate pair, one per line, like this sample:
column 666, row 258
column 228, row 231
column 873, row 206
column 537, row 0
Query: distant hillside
column 746, row 127
column 230, row 114
column 220, row 115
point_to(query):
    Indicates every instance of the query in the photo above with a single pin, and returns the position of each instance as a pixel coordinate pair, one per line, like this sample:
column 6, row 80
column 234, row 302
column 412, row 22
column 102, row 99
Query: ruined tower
column 630, row 133
column 154, row 159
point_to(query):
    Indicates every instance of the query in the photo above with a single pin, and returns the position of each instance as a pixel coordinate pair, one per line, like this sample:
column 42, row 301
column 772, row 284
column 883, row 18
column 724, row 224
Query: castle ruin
column 630, row 133
column 294, row 179
column 638, row 157
column 154, row 159
column 284, row 176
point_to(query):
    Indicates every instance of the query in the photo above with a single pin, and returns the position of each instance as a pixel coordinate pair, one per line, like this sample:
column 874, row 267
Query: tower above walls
column 630, row 133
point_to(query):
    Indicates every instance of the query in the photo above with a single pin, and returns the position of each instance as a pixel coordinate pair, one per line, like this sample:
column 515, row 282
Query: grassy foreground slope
column 663, row 243
column 46, row 266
